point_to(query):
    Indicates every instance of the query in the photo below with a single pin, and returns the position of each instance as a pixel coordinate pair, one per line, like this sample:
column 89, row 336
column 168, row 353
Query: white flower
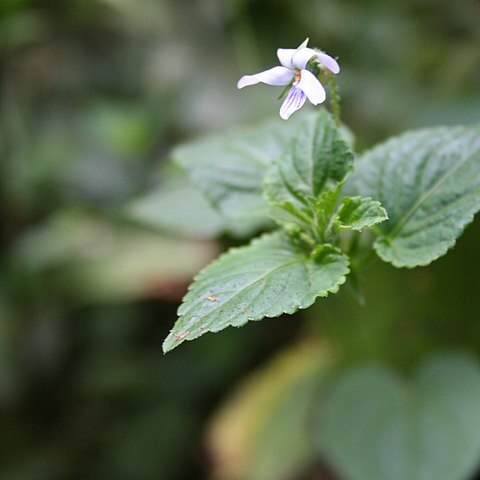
column 293, row 71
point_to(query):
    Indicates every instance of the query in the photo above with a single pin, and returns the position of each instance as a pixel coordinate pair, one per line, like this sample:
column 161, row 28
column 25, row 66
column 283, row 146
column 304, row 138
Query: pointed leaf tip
column 250, row 283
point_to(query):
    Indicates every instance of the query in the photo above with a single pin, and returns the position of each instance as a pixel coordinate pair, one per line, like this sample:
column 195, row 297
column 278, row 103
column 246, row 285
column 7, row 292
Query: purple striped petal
column 311, row 87
column 274, row 76
column 294, row 101
column 329, row 62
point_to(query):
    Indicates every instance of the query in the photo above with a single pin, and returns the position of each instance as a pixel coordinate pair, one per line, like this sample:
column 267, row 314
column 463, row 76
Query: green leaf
column 177, row 207
column 314, row 219
column 429, row 183
column 356, row 213
column 317, row 160
column 322, row 209
column 229, row 168
column 266, row 278
column 374, row 425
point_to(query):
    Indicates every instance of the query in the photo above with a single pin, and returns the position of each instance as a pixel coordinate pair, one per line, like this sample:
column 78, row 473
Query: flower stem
column 335, row 101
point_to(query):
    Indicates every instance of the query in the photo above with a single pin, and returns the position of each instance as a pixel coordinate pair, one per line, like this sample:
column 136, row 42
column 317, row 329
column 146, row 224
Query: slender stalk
column 366, row 260
column 335, row 100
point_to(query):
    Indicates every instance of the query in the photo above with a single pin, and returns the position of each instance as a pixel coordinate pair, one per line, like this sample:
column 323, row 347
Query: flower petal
column 329, row 62
column 303, row 44
column 313, row 89
column 302, row 56
column 285, row 56
column 274, row 76
column 294, row 101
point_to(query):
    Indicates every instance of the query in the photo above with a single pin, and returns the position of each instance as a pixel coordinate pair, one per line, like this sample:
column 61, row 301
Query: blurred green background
column 93, row 95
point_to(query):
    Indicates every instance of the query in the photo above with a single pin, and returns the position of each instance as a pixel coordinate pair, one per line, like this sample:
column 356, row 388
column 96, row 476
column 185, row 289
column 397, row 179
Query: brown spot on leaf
column 181, row 336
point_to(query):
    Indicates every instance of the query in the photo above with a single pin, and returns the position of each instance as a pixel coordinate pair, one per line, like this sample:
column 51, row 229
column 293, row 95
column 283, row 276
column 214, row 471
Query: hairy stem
column 335, row 100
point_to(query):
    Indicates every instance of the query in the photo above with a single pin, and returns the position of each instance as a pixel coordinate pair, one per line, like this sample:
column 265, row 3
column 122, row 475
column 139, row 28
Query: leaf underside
column 179, row 208
column 266, row 278
column 229, row 168
column 429, row 183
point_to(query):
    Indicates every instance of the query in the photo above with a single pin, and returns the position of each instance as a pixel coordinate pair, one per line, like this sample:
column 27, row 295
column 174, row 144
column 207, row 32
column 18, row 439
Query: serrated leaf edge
column 305, row 303
column 461, row 226
column 441, row 251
